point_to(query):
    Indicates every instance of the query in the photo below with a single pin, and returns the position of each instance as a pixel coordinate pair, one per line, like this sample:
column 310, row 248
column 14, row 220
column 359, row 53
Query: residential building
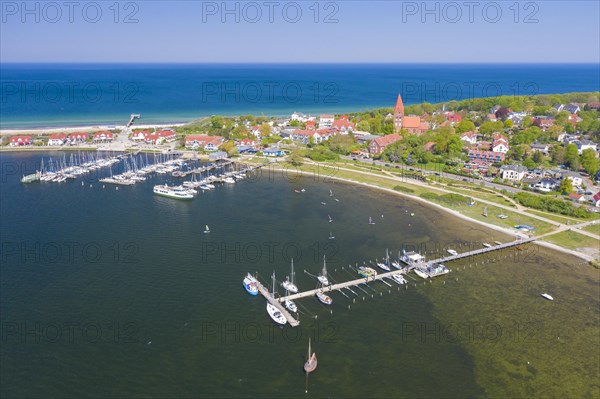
column 596, row 199
column 208, row 143
column 575, row 177
column 469, row 138
column 486, row 156
column 513, row 172
column 378, row 145
column 103, row 137
column 19, row 141
column 500, row 144
column 325, row 121
column 78, row 137
column 572, row 108
column 57, row 139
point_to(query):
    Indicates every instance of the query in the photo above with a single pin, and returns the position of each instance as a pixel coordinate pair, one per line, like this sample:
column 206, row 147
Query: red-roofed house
column 78, row 137
column 140, row 135
column 453, row 117
column 380, row 143
column 343, row 125
column 500, row 144
column 325, row 121
column 103, row 137
column 311, row 125
column 492, row 117
column 167, row 135
column 469, row 138
column 486, row 156
column 208, row 143
column 577, row 197
column 596, row 198
column 18, row 141
column 57, row 139
column 247, row 142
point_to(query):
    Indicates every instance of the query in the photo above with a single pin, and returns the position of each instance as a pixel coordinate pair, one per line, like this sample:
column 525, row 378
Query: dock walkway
column 265, row 292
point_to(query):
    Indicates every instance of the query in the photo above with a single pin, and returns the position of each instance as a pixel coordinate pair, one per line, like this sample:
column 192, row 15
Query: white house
column 469, row 138
column 584, row 145
column 326, row 121
column 57, row 139
column 299, row 116
column 546, row 185
column 574, row 176
column 513, row 172
column 500, row 144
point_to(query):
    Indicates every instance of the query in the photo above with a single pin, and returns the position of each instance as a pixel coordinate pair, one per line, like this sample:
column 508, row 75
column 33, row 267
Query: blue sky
column 365, row 31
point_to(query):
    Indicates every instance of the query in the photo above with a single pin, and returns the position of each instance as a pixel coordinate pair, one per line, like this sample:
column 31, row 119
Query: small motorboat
column 250, row 284
column 291, row 306
column 452, row 252
column 547, row 296
column 399, row 279
column 485, row 244
column 421, row 274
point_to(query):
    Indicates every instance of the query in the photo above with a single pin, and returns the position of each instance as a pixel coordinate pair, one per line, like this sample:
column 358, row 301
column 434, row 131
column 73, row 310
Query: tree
column 216, row 122
column 572, row 157
column 589, row 162
column 265, row 130
column 508, row 123
column 464, row 126
column 363, row 126
column 529, row 163
column 538, row 157
column 566, row 186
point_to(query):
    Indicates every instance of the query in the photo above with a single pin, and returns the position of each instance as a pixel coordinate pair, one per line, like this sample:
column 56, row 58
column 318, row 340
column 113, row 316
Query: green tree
column 538, row 157
column 216, row 122
column 363, row 126
column 464, row 126
column 572, row 157
column 566, row 186
column 265, row 130
column 589, row 162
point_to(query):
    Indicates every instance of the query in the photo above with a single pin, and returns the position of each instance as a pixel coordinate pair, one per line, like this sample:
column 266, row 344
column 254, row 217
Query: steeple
column 398, row 114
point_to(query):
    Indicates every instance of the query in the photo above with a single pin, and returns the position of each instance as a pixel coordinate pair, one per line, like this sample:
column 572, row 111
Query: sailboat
column 289, row 284
column 385, row 266
column 206, row 229
column 371, row 220
column 324, row 298
column 273, row 312
column 323, row 276
column 331, row 236
column 330, row 218
column 311, row 360
column 330, row 193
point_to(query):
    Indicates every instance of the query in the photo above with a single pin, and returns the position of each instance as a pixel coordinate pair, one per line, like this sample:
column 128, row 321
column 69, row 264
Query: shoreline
column 88, row 128
column 510, row 232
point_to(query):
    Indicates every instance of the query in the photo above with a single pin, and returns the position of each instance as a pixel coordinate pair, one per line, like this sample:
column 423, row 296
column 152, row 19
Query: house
column 208, row 143
column 343, row 125
column 595, row 106
column 311, row 125
column 576, row 197
column 469, row 138
column 299, row 116
column 247, row 142
column 513, row 172
column 18, row 141
column 596, row 199
column 325, row 121
column 140, row 135
column 558, row 107
column 304, row 136
column 492, row 117
column 495, row 109
column 546, row 185
column 453, row 117
column 543, row 148
column 572, row 108
column 57, row 139
column 380, row 143
column 273, row 152
column 365, row 138
column 103, row 137
column 574, row 176
column 486, row 156
column 584, row 145
column 167, row 135
column 78, row 137
column 500, row 144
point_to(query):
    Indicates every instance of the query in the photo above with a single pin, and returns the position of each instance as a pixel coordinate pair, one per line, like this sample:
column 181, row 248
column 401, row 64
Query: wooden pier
column 379, row 277
column 265, row 292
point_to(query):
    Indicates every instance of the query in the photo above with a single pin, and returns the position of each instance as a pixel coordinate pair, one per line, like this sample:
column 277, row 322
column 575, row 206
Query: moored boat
column 548, row 296
column 311, row 360
column 399, row 279
column 173, row 192
column 275, row 314
column 324, row 298
column 452, row 252
column 250, row 284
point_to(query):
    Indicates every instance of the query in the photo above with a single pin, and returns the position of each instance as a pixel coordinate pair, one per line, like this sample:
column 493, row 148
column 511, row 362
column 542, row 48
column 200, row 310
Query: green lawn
column 573, row 240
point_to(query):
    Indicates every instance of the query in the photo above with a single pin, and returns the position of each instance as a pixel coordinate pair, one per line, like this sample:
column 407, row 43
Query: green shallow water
column 146, row 305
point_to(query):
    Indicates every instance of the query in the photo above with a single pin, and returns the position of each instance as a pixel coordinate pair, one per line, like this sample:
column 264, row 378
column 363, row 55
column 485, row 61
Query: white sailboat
column 330, row 218
column 330, row 193
column 371, row 220
column 385, row 266
column 289, row 304
column 206, row 229
column 289, row 284
column 273, row 312
column 323, row 276
column 311, row 360
column 331, row 236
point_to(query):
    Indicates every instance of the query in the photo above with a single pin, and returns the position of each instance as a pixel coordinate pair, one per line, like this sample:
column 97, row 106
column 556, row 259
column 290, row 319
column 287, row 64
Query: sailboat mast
column 292, row 276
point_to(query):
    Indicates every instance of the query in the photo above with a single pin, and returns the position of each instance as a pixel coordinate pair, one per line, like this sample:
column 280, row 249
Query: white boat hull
column 275, row 314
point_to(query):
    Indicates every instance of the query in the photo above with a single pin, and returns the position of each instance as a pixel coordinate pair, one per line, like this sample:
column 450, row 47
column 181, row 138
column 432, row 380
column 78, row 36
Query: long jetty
column 379, row 277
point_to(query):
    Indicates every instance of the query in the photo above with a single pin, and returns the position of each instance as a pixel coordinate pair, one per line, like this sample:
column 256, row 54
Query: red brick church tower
column 398, row 114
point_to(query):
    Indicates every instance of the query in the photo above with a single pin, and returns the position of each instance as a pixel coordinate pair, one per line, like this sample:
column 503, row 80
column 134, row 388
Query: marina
column 425, row 270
